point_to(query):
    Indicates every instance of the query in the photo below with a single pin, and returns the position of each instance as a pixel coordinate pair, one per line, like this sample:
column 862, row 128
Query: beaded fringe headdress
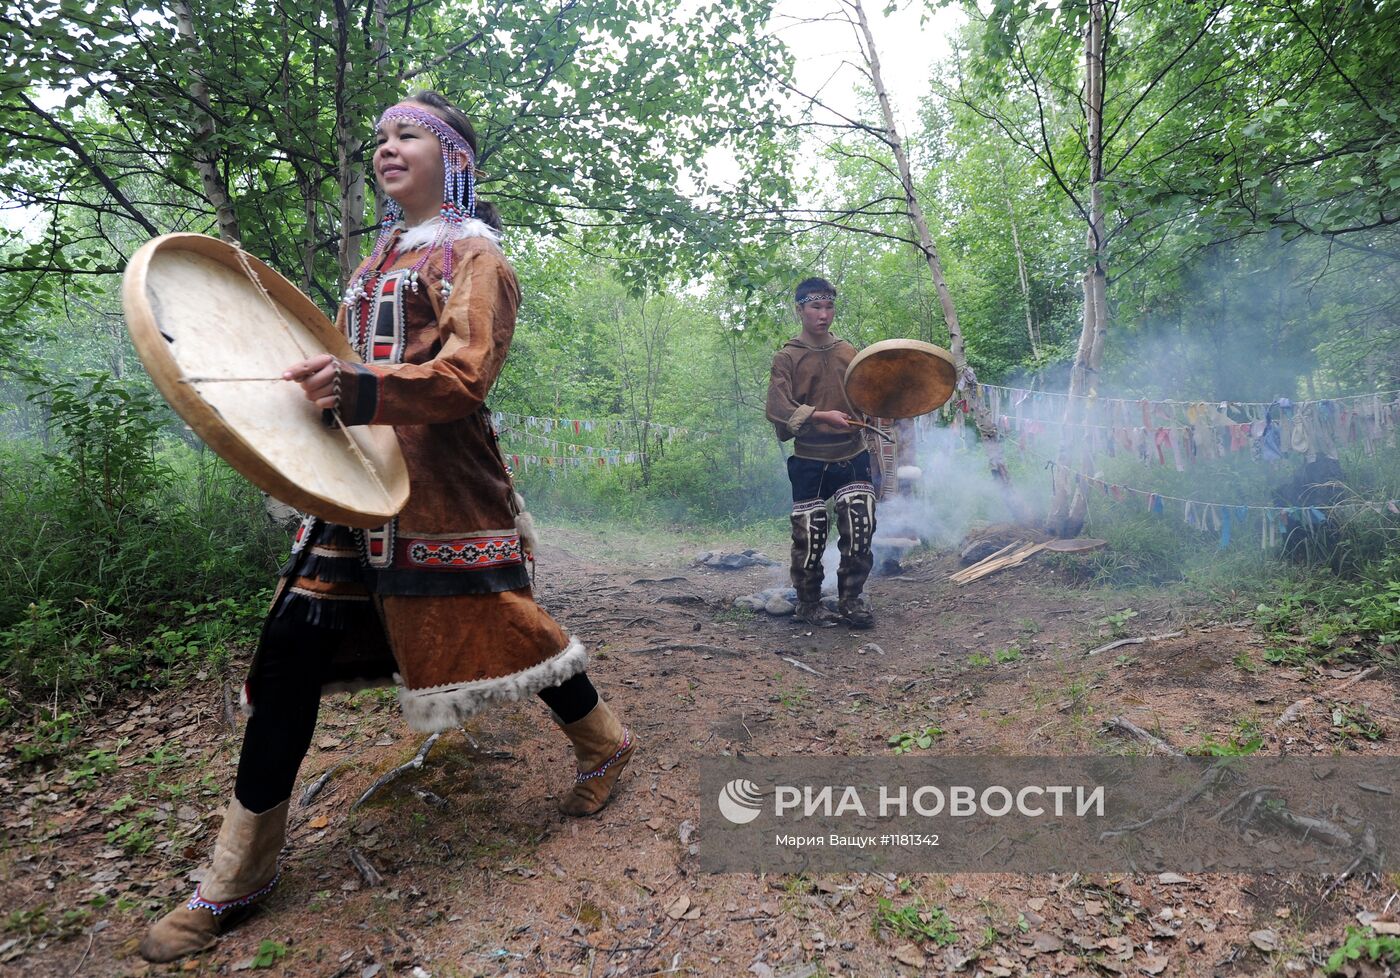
column 458, row 193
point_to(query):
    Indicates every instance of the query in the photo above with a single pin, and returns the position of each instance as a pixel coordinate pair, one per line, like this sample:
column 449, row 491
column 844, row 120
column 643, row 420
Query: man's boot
column 602, row 746
column 855, row 527
column 242, row 872
column 810, row 525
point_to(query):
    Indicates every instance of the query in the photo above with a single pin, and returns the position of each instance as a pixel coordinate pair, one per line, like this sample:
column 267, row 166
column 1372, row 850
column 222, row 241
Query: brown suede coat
column 805, row 379
column 447, row 578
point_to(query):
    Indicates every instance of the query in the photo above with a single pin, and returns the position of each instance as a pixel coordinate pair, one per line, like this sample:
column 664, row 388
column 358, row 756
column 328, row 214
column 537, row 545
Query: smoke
column 954, row 493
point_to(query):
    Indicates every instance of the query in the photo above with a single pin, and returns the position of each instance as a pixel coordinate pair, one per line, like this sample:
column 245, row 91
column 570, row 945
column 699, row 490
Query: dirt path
column 480, row 876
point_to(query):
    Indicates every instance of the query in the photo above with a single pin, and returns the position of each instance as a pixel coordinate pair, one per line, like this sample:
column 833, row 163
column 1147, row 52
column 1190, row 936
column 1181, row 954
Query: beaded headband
column 458, row 196
column 816, row 297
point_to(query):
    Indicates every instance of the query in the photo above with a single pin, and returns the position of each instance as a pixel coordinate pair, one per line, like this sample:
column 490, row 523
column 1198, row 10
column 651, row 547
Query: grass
column 915, row 922
column 1246, row 738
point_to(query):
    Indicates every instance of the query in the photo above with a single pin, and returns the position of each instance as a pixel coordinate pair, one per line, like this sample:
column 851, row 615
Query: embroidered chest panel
column 375, row 324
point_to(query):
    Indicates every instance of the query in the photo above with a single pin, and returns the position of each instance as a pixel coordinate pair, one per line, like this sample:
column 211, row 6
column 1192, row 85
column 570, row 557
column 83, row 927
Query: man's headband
column 408, row 112
column 807, row 297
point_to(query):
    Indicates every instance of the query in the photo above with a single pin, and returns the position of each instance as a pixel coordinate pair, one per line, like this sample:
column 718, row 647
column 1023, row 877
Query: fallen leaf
column 1264, row 940
column 910, row 955
column 1043, row 943
column 319, row 822
column 1153, row 965
column 677, row 909
column 1093, row 908
column 1036, row 903
column 1122, row 946
column 656, row 824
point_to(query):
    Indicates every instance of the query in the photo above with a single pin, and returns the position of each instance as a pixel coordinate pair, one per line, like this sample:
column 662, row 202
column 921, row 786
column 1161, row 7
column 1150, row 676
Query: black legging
column 287, row 698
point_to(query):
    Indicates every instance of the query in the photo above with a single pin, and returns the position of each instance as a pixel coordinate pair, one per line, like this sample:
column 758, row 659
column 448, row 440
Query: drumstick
column 230, row 380
column 870, row 427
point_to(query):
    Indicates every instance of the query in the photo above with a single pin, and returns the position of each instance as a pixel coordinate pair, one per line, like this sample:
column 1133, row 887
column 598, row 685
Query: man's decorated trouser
column 855, row 528
column 814, row 482
column 810, row 524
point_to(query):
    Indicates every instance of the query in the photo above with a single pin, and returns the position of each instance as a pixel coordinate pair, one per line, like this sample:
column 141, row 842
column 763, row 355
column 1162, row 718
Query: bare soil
column 481, row 876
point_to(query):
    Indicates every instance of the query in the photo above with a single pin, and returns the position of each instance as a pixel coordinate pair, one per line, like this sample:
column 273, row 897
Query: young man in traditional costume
column 807, row 405
column 439, row 599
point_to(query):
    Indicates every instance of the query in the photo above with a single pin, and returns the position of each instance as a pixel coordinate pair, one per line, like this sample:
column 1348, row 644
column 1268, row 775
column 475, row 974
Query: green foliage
column 1364, row 943
column 108, row 535
column 50, row 738
column 1247, row 738
column 1354, row 723
column 914, row 922
column 135, row 835
column 911, row 740
column 269, row 953
column 35, row 923
column 588, row 126
column 1011, row 653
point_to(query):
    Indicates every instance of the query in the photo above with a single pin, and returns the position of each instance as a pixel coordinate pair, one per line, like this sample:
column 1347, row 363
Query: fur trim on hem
column 444, row 707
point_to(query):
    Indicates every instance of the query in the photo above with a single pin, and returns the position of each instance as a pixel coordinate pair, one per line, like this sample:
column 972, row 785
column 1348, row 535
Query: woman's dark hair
column 457, row 119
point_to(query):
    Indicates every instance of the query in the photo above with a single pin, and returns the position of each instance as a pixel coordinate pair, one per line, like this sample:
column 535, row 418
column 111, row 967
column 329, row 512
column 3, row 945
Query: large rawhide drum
column 215, row 343
column 900, row 379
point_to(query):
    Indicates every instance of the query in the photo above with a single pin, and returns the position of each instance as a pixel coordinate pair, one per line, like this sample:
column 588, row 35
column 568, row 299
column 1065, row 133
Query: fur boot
column 603, row 746
column 243, row 871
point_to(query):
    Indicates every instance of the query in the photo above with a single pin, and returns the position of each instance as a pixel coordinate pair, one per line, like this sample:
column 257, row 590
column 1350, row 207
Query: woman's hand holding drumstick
column 317, row 379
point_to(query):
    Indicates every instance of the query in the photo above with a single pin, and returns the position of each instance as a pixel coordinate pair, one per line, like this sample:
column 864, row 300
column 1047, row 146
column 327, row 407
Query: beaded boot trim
column 216, row 907
column 602, row 769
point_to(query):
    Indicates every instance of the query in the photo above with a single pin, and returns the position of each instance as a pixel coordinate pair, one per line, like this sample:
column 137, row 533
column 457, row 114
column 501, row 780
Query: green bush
column 123, row 549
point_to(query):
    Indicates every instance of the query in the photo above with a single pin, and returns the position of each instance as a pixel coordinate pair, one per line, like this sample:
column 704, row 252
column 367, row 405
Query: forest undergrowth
column 135, row 558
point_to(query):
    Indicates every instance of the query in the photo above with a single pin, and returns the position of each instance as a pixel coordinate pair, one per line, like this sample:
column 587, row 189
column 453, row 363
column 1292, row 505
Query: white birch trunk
column 1031, row 331
column 1069, row 503
column 986, row 424
column 206, row 156
column 350, row 171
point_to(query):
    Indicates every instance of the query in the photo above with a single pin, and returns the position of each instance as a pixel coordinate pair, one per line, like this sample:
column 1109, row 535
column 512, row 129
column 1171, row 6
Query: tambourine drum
column 215, row 328
column 900, row 379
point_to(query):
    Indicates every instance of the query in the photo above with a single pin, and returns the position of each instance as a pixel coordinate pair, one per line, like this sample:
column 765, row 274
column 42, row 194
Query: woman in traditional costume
column 438, row 600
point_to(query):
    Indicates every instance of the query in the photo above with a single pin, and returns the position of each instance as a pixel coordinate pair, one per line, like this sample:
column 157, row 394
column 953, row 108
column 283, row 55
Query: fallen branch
column 1308, row 827
column 1126, row 726
column 1254, row 796
column 390, row 776
column 1367, row 855
column 1214, row 774
column 801, row 665
column 309, row 794
column 1291, row 714
column 367, row 872
column 1135, row 641
column 690, row 647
